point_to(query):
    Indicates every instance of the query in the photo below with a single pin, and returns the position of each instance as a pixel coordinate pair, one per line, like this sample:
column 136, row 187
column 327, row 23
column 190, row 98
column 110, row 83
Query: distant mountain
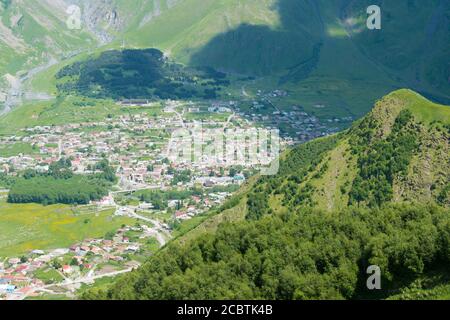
column 321, row 51
column 377, row 194
column 31, row 31
column 301, row 42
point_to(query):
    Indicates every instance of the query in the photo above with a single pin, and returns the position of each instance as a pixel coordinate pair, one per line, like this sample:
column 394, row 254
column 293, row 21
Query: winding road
column 67, row 282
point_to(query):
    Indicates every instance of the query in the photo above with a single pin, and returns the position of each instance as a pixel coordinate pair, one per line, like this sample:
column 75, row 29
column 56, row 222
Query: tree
column 233, row 172
column 56, row 264
column 74, row 262
column 110, row 235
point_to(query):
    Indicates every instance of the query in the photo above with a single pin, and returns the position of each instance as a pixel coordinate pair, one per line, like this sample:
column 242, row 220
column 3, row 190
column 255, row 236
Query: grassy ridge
column 423, row 109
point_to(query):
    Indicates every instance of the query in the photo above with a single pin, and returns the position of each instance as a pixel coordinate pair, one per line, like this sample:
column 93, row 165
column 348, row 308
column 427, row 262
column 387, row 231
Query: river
column 17, row 92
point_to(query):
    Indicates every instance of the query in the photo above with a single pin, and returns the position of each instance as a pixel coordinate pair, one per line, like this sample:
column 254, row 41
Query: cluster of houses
column 199, row 205
column 85, row 148
column 135, row 144
column 93, row 251
column 16, row 278
column 296, row 125
column 18, row 275
column 304, row 127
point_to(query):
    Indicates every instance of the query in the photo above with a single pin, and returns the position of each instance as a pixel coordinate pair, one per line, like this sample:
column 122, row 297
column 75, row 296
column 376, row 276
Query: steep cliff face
column 102, row 19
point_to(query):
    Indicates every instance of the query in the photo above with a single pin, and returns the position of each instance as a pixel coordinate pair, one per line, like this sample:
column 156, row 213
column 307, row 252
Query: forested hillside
column 307, row 254
column 138, row 74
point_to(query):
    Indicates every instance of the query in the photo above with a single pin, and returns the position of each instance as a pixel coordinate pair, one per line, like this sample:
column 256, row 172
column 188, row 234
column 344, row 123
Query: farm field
column 26, row 227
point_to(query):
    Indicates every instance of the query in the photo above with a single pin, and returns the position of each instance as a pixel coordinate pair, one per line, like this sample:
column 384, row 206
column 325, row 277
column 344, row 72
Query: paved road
column 244, row 92
column 131, row 190
column 158, row 228
column 87, row 279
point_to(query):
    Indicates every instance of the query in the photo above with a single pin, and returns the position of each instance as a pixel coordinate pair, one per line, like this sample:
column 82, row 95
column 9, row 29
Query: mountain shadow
column 262, row 50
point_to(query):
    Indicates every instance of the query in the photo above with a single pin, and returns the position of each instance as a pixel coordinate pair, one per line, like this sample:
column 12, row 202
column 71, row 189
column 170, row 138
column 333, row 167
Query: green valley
column 224, row 149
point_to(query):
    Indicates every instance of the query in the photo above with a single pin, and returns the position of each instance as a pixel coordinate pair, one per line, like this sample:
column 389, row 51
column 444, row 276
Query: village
column 62, row 271
column 153, row 188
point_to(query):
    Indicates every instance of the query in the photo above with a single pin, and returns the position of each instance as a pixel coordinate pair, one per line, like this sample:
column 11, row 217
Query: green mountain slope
column 32, row 31
column 412, row 43
column 330, row 52
column 308, row 41
column 398, row 152
column 376, row 194
column 138, row 73
column 188, row 25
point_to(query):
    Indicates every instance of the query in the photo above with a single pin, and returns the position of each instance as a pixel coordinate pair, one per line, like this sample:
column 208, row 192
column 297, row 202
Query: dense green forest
column 6, row 181
column 60, row 185
column 387, row 158
column 308, row 254
column 142, row 74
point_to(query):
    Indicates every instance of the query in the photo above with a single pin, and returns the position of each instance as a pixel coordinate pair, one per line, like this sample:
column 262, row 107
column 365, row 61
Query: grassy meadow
column 26, row 227
column 16, row 149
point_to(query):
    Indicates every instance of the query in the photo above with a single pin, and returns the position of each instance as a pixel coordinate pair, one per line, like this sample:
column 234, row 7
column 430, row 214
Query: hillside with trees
column 397, row 153
column 308, row 254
